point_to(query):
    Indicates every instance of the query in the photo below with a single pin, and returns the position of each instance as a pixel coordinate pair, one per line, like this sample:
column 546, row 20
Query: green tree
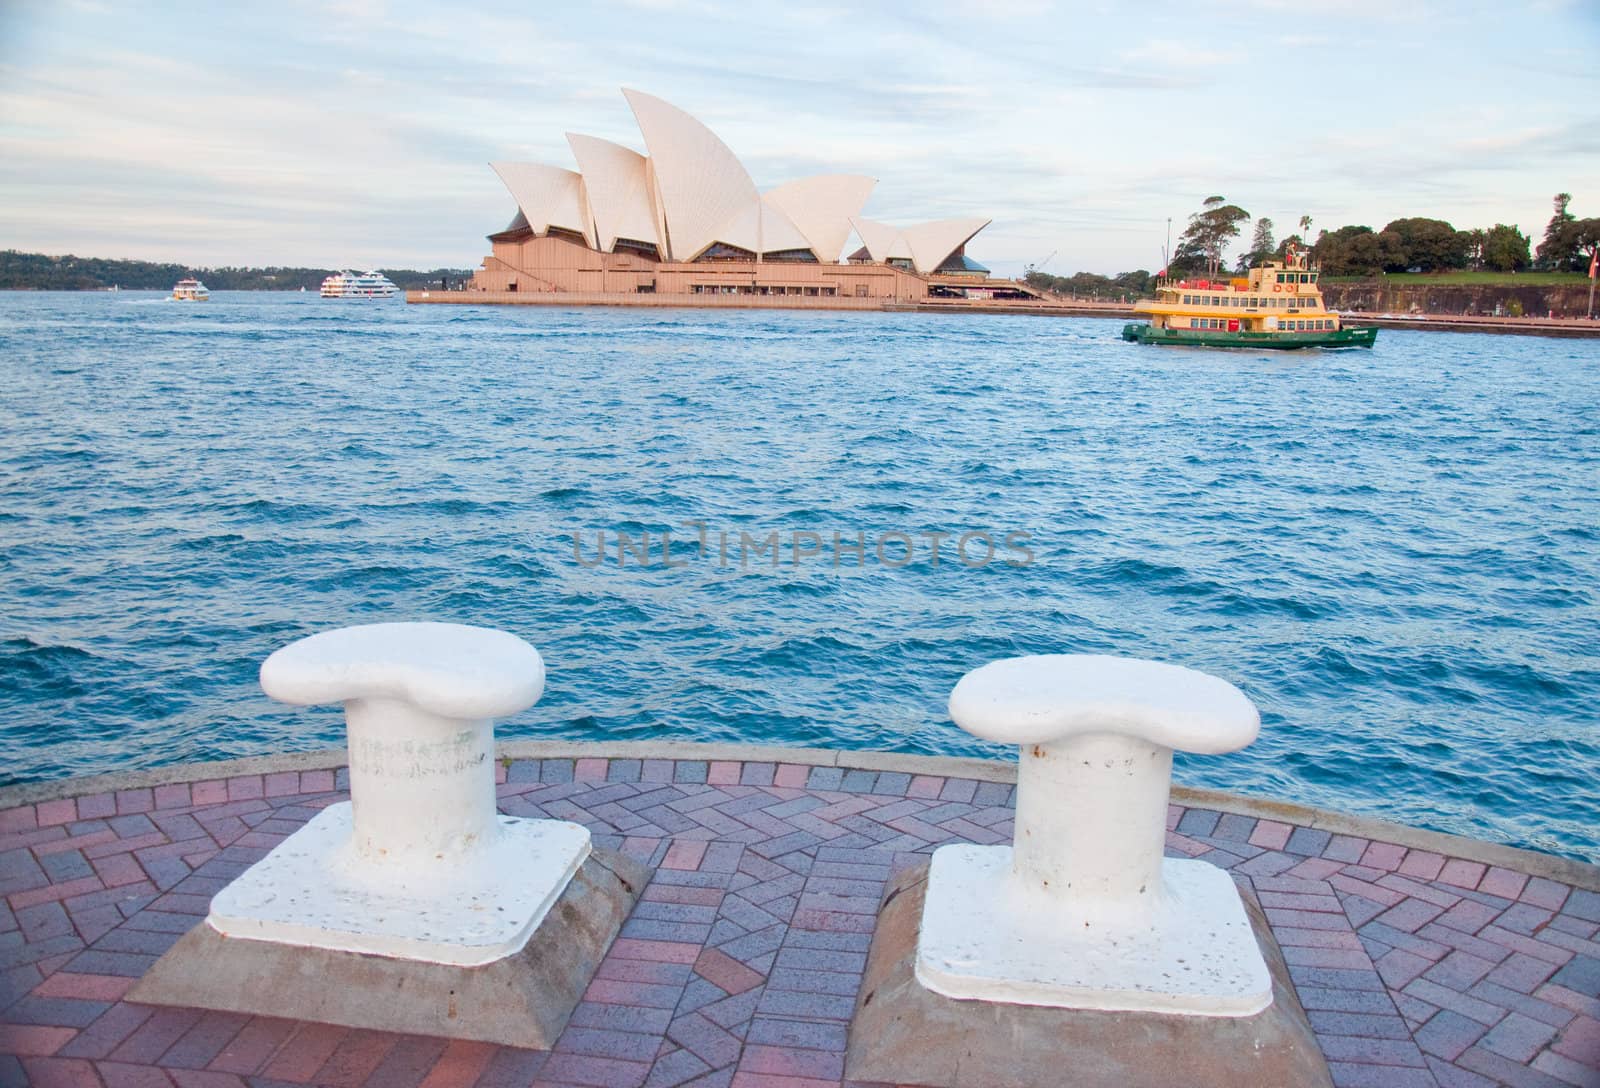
column 1358, row 251
column 1431, row 245
column 1580, row 238
column 1573, row 245
column 1137, row 283
column 1348, row 251
column 1391, row 251
column 1262, row 247
column 1505, row 249
column 1209, row 232
column 1552, row 253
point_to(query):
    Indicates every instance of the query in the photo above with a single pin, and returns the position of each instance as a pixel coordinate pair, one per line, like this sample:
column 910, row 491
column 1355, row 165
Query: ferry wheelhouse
column 1279, row 305
column 190, row 290
column 365, row 285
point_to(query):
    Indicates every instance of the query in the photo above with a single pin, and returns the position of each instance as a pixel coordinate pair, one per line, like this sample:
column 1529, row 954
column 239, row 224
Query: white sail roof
column 925, row 245
column 931, row 243
column 548, row 196
column 702, row 185
column 883, row 242
column 617, row 181
column 821, row 209
column 772, row 233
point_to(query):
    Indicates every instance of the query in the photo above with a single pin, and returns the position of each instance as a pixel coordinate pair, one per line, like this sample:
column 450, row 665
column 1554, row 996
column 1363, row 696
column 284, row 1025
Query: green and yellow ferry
column 1278, row 306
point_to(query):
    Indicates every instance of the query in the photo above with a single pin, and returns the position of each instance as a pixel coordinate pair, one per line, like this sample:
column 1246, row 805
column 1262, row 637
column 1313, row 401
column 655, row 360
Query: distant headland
column 41, row 272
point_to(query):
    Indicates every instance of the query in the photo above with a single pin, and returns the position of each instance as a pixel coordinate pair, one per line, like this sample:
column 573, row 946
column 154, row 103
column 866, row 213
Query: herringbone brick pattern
column 740, row 965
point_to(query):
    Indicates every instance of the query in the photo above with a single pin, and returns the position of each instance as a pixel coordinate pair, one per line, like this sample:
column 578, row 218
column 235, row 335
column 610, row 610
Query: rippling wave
column 1393, row 552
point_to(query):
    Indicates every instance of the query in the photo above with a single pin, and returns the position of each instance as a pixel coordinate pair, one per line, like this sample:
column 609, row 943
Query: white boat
column 365, row 285
column 190, row 290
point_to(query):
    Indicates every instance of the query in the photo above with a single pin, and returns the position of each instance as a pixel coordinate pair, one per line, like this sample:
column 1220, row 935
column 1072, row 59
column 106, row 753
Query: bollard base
column 312, row 890
column 1193, row 953
column 904, row 1033
column 523, row 1000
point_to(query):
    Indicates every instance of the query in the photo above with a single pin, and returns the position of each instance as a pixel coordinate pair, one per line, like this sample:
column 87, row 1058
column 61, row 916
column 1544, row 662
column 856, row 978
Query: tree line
column 40, row 272
column 1415, row 243
column 1411, row 244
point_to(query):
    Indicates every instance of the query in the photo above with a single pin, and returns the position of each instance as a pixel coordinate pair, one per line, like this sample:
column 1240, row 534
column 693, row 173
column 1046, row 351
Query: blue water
column 1394, row 552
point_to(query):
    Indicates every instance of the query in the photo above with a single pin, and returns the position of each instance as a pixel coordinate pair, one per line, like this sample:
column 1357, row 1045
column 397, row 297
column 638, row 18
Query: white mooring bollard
column 418, row 865
column 1083, row 910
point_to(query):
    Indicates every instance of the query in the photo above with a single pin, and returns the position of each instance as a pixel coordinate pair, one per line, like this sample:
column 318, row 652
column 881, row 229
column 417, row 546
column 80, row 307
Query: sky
column 358, row 132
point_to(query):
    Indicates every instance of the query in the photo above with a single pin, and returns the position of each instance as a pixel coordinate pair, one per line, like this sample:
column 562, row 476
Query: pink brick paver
column 741, row 963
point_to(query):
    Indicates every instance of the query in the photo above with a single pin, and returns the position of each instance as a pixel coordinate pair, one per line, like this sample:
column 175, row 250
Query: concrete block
column 523, row 1000
column 903, row 1033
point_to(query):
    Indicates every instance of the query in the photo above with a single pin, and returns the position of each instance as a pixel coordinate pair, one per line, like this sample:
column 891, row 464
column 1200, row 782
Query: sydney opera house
column 686, row 219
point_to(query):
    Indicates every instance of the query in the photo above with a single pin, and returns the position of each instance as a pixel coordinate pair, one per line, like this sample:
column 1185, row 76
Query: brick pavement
column 739, row 968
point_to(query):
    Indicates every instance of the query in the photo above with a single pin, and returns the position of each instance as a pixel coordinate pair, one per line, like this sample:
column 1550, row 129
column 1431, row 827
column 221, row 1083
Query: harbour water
column 1394, row 552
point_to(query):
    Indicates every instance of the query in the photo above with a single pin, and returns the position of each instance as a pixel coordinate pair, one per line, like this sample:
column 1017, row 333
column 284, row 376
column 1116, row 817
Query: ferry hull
column 1215, row 338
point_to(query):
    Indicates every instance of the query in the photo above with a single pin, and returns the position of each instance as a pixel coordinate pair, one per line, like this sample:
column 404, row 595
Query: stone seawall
column 1381, row 296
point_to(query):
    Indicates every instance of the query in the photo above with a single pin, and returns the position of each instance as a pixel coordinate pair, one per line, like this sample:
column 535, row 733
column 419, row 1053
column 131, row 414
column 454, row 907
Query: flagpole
column 1594, row 262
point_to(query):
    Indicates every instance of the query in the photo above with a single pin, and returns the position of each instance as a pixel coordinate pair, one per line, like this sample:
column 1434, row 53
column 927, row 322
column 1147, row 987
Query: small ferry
column 365, row 285
column 1279, row 305
column 190, row 290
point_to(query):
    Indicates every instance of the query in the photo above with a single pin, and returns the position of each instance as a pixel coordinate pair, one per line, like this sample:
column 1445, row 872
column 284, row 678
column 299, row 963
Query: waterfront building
column 686, row 218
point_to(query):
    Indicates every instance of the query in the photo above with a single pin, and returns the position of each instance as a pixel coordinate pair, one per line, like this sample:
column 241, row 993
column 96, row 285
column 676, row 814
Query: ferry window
column 1305, row 277
column 1280, row 277
column 1186, row 300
